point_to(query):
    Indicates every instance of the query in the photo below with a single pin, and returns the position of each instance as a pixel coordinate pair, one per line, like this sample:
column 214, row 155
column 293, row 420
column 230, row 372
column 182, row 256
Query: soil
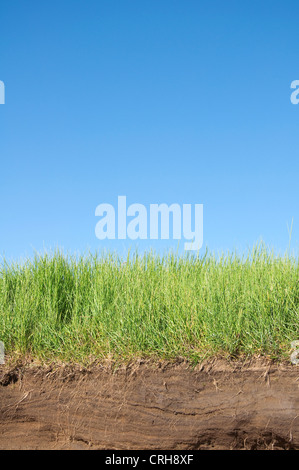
column 161, row 406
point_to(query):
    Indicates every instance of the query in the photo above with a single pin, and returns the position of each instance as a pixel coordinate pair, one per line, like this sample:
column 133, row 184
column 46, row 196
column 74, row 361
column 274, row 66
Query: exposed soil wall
column 151, row 406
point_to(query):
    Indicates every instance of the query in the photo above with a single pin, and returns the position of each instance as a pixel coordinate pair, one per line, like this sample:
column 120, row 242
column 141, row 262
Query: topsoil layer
column 160, row 406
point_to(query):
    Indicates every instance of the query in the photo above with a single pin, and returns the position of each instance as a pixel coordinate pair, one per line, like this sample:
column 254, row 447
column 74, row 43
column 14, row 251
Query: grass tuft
column 62, row 307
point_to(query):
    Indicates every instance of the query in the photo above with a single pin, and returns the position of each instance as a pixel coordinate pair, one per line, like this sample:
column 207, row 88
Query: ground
column 145, row 405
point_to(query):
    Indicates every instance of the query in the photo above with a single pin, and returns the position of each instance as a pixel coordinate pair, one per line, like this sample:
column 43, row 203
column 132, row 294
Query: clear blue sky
column 184, row 101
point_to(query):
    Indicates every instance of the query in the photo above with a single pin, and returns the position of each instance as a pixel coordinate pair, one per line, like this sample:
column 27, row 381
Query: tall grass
column 56, row 306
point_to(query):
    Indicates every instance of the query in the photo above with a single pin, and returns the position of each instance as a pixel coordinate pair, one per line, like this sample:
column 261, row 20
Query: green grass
column 57, row 307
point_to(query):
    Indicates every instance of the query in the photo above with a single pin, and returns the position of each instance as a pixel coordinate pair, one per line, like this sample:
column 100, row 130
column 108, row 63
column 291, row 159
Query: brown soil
column 218, row 405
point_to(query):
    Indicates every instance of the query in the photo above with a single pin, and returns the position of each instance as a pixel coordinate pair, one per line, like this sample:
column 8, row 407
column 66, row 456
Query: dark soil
column 218, row 405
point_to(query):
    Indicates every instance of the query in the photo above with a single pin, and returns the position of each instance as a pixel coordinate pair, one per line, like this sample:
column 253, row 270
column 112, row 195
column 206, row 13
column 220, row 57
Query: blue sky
column 160, row 100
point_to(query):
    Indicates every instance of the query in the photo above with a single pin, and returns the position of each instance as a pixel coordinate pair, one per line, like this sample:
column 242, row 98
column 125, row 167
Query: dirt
column 218, row 405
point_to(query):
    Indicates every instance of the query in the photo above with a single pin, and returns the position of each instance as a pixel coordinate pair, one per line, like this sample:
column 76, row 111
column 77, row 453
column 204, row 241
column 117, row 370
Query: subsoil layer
column 159, row 406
